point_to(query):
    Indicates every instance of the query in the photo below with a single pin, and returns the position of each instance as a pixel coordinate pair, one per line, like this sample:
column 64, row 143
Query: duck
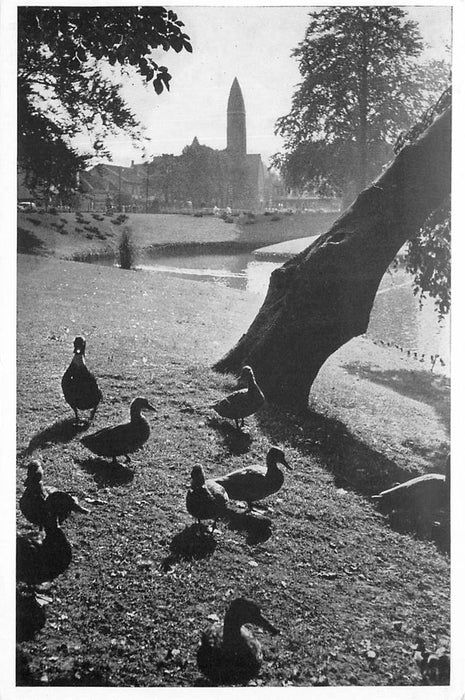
column 36, row 504
column 424, row 494
column 206, row 499
column 32, row 502
column 41, row 559
column 122, row 439
column 434, row 666
column 79, row 385
column 243, row 402
column 230, row 653
column 256, row 482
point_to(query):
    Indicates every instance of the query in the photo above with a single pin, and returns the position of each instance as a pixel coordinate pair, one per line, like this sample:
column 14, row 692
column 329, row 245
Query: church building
column 206, row 177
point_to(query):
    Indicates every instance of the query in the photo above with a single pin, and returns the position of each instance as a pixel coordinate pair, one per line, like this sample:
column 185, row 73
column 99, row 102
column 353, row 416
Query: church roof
column 236, row 101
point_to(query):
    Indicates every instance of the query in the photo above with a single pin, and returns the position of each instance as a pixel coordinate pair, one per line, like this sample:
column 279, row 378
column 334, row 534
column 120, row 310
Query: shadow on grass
column 257, row 527
column 105, row 473
column 426, row 387
column 355, row 465
column 60, row 432
column 28, row 242
column 194, row 542
column 236, row 441
column 83, row 674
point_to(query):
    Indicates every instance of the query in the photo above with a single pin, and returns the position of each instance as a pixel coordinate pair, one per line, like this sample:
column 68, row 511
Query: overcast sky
column 251, row 43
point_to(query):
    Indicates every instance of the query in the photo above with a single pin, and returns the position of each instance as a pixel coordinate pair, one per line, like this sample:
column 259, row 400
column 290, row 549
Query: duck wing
column 118, row 440
column 247, row 484
column 207, row 501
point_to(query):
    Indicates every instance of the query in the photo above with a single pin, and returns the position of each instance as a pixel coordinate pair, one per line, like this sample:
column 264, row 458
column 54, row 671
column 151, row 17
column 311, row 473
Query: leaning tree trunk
column 322, row 298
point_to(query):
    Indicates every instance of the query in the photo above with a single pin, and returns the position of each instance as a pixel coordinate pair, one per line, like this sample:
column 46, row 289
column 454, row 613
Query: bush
column 127, row 250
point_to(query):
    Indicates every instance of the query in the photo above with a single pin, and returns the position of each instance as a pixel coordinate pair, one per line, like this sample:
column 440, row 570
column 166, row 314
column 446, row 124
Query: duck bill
column 150, row 407
column 286, row 464
column 266, row 625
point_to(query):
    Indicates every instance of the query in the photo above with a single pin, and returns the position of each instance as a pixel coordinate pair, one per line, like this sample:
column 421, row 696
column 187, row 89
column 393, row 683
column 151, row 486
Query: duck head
column 79, row 345
column 140, row 404
column 242, row 611
column 247, row 376
column 35, row 473
column 197, row 476
column 276, row 455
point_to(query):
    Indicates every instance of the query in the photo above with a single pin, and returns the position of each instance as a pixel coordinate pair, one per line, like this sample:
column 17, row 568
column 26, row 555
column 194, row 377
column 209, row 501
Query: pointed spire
column 236, row 129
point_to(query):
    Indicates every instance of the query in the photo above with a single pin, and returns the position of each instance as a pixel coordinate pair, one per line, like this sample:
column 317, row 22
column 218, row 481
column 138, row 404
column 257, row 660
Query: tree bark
column 321, row 298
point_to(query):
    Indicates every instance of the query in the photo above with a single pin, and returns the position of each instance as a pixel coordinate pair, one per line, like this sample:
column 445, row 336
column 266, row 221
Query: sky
column 251, row 43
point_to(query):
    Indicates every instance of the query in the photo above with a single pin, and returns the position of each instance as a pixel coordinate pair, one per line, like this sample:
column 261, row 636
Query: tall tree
column 323, row 297
column 67, row 66
column 362, row 84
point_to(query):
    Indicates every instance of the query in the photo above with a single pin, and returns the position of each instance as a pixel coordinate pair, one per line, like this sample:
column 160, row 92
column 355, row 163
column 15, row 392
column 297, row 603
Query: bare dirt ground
column 349, row 592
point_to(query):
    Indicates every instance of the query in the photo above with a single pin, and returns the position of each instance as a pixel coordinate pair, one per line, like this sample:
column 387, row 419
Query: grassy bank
column 79, row 235
column 348, row 592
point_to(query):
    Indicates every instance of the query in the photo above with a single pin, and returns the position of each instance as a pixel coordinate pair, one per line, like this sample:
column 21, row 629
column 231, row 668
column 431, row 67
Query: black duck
column 32, row 501
column 230, row 653
column 122, row 439
column 42, row 559
column 254, row 483
column 80, row 387
column 243, row 402
column 37, row 506
column 206, row 499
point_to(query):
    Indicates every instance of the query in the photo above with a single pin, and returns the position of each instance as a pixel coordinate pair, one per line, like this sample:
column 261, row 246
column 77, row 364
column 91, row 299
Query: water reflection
column 396, row 318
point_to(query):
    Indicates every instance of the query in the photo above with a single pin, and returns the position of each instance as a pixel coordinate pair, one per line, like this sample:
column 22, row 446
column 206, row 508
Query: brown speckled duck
column 206, row 499
column 254, row 483
column 123, row 439
column 243, row 402
column 230, row 653
column 80, row 387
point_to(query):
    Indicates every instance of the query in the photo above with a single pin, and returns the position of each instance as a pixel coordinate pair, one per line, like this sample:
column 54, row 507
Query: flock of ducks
column 228, row 653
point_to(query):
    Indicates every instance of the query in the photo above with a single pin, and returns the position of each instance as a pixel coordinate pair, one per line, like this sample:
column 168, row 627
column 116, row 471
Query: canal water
column 396, row 318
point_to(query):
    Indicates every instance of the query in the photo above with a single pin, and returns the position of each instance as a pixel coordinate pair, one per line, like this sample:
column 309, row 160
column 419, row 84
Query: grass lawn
column 76, row 235
column 349, row 593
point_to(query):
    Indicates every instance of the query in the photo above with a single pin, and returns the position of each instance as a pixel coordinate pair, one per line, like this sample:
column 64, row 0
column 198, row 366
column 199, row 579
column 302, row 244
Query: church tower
column 236, row 137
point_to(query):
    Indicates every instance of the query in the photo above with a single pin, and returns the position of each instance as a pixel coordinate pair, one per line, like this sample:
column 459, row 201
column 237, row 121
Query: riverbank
column 82, row 235
column 129, row 610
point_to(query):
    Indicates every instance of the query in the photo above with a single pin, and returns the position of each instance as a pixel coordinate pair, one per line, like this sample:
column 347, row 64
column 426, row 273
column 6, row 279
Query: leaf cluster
column 361, row 84
column 68, row 58
column 428, row 253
